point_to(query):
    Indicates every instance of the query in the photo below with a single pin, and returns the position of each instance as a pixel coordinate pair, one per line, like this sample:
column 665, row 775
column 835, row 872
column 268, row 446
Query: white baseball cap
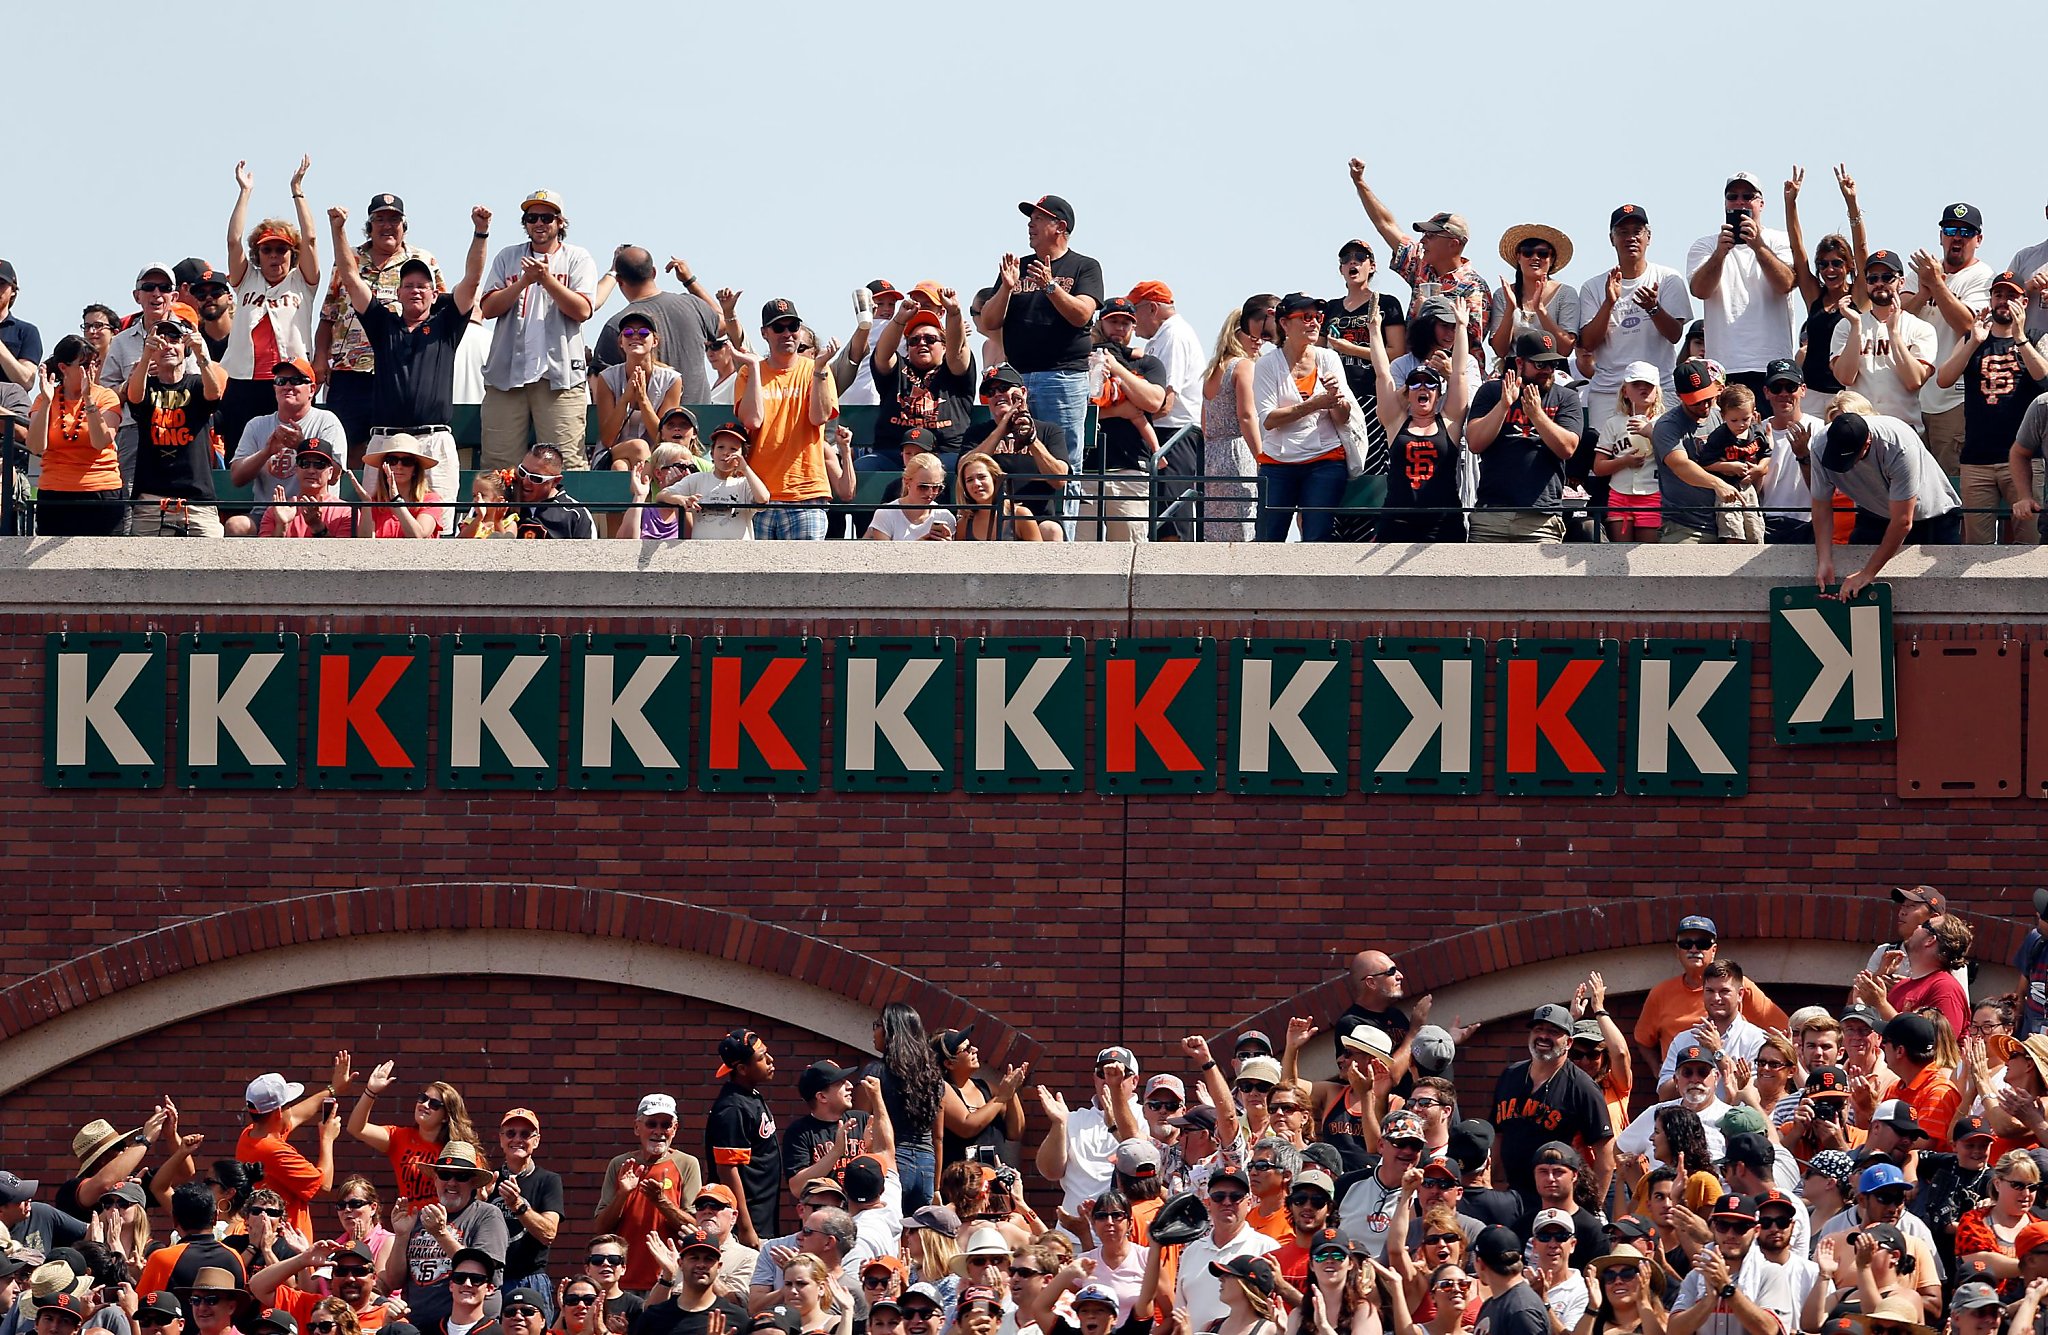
column 1641, row 373
column 268, row 1093
column 658, row 1105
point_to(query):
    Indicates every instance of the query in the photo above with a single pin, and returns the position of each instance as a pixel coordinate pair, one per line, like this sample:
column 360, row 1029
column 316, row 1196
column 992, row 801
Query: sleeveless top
column 1219, row 415
column 1820, row 333
column 1422, row 468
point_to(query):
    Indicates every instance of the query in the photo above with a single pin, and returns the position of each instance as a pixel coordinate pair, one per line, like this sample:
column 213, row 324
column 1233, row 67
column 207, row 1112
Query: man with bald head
column 1377, row 989
column 685, row 321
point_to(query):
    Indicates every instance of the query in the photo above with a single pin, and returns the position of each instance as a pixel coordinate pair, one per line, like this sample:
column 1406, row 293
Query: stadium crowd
column 1874, row 1167
column 1762, row 390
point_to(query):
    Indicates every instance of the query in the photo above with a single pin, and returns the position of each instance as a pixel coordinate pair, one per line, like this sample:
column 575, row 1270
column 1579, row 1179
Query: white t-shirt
column 1567, row 1298
column 896, row 526
column 1972, row 287
column 534, row 341
column 1786, row 487
column 278, row 318
column 1877, row 376
column 735, row 525
column 1366, row 1211
column 1748, row 325
column 1179, row 349
column 1200, row 1293
column 1635, row 1138
column 1775, row 1288
column 1273, row 386
column 1091, row 1148
column 1616, row 441
column 1631, row 334
column 1123, row 1280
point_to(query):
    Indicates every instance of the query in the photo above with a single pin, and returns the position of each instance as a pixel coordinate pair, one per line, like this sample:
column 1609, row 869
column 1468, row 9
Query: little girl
column 1624, row 457
column 488, row 515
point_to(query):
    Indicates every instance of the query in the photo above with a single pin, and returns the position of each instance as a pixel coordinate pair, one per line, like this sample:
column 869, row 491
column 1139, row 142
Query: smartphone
column 329, row 1109
column 1736, row 217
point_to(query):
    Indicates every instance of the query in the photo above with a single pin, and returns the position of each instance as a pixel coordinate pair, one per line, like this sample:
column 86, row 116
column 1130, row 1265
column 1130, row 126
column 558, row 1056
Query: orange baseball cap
column 299, row 364
column 273, row 234
column 893, row 1264
column 931, row 293
column 521, row 1114
column 718, row 1191
column 922, row 316
column 1151, row 290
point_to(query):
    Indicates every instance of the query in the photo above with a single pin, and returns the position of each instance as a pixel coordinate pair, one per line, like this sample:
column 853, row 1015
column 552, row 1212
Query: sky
column 801, row 149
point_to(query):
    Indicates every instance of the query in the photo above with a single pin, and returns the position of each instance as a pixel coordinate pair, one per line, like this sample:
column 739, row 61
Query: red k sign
column 1158, row 719
column 1559, row 729
column 368, row 727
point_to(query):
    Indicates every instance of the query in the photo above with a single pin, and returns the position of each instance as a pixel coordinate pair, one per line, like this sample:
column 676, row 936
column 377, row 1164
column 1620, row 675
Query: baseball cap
column 1151, row 290
column 778, row 1318
column 1751, row 1149
column 547, row 197
column 1588, row 1031
column 1431, row 1047
column 1201, row 1117
column 1354, row 244
column 1970, row 1127
column 882, row 287
column 1827, row 1082
column 1972, row 1295
column 739, row 1046
column 1890, row 1237
column 1535, row 345
column 1734, row 1206
column 1747, row 178
column 1444, row 224
column 1402, row 1125
column 657, row 1105
column 1557, row 1152
column 1051, row 205
column 1170, row 1083
column 1440, row 1164
column 1886, row 259
column 923, row 318
column 821, row 1184
column 156, row 266
column 386, row 202
column 1848, row 437
column 1899, row 1116
column 1920, row 894
column 1250, row 1038
column 14, row 1190
column 2011, row 280
column 7, row 274
column 819, row 1077
column 1696, row 922
column 1122, row 1056
column 1137, row 1157
column 1422, row 375
column 1863, row 1015
column 195, row 270
column 1879, row 1176
column 304, row 368
column 1741, row 1120
column 949, row 1043
column 1552, row 1218
column 268, row 1093
column 1440, row 309
column 1097, row 1295
column 716, row 1191
column 1471, row 1140
column 1001, row 376
column 1631, row 1228
column 1552, row 1014
column 1315, row 1177
column 1962, row 215
column 1694, row 1055
column 738, row 430
column 781, row 308
column 1914, row 1033
column 163, row 1303
column 1783, row 370
column 67, row 1303
column 1497, row 1246
column 1695, row 383
column 1628, row 213
column 1116, row 306
column 1256, row 1272
column 865, row 1179
column 1641, row 373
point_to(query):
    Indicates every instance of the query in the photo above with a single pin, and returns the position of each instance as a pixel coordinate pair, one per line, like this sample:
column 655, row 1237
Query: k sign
column 1831, row 667
column 238, row 711
column 501, row 711
column 103, row 710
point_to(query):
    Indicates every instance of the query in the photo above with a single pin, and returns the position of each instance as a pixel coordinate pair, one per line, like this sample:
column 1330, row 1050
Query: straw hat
column 1521, row 232
column 94, row 1139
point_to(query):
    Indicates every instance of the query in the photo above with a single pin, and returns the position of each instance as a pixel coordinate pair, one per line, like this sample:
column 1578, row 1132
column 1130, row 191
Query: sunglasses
column 1536, row 250
column 154, row 287
column 874, row 1281
column 1831, row 263
column 919, row 1313
column 1889, row 1197
column 518, row 1313
column 1428, row 1102
column 1334, row 1254
column 1552, row 1236
column 636, row 333
column 1163, row 1105
column 290, row 381
column 1732, row 1226
column 1254, row 1087
column 1107, row 1215
column 785, row 326
column 608, row 1258
column 267, row 1211
column 1226, row 1197
column 468, row 1279
column 1695, row 943
column 1774, row 1221
column 1020, row 1273
column 923, row 341
column 324, row 1327
column 1443, row 1237
column 1314, row 1198
column 529, row 219
column 352, row 1272
column 579, row 1300
column 933, row 487
column 1447, row 1284
column 1621, row 1273
column 207, row 1299
column 660, row 1123
column 1279, row 1108
column 1762, row 1065
column 1265, row 1166
column 1741, row 196
column 1959, row 231
column 525, row 474
column 429, row 1101
column 149, row 1319
column 352, row 1203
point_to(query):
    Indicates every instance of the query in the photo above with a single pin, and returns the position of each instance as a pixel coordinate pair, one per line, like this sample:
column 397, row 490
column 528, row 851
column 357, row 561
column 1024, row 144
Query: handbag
column 1357, row 444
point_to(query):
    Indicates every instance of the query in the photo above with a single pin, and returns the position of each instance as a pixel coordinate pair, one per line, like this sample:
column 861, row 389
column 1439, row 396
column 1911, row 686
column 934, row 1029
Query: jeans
column 917, row 1166
column 790, row 525
column 1061, row 398
column 1318, row 486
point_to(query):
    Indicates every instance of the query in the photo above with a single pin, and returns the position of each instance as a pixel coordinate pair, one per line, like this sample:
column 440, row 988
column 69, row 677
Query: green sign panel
column 1557, row 727
column 238, row 711
column 1026, row 711
column 760, row 730
column 1831, row 667
column 501, row 711
column 897, row 702
column 103, row 709
column 629, row 713
column 1688, row 718
column 366, row 724
column 1290, row 718
column 1418, row 726
column 1156, row 717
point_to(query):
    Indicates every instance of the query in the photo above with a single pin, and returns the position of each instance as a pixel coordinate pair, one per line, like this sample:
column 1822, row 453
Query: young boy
column 1739, row 450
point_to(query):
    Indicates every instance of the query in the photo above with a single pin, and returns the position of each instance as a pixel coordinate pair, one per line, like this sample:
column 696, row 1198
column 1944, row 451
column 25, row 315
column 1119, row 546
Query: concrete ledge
column 997, row 583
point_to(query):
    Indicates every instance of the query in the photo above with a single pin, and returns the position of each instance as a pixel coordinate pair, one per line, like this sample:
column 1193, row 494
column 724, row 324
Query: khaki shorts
column 538, row 413
column 158, row 517
column 1943, row 433
column 1122, row 515
column 1683, row 535
column 1514, row 526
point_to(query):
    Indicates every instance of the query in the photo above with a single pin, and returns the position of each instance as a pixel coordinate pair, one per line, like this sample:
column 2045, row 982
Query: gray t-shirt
column 1563, row 308
column 2024, row 264
column 1896, row 467
column 1683, row 503
column 318, row 424
column 684, row 322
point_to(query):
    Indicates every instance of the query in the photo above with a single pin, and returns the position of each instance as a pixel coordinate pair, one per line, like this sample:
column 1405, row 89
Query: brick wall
column 1069, row 920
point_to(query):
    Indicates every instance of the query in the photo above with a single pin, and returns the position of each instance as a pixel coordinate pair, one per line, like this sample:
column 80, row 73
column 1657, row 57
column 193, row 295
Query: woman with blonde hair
column 917, row 516
column 814, row 1297
column 403, row 506
column 439, row 1116
column 332, row 1316
column 985, row 509
column 1250, row 1285
column 1230, row 424
column 274, row 303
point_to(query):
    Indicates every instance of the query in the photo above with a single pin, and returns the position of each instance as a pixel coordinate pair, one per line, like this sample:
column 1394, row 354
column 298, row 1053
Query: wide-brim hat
column 1623, row 1254
column 405, row 446
column 55, row 1277
column 1903, row 1311
column 982, row 1240
column 459, row 1156
column 215, row 1279
column 1521, row 232
column 94, row 1139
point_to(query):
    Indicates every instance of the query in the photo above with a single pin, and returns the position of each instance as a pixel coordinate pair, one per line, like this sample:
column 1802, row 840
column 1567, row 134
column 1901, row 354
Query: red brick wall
column 1070, row 920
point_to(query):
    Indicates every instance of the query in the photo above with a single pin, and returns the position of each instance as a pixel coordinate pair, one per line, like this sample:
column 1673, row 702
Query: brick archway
column 412, row 918
column 1794, row 916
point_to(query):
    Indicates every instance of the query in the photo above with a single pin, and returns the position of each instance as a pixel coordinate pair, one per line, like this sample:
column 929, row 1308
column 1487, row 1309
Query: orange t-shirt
column 79, row 465
column 1672, row 1008
column 285, row 1171
column 412, row 1155
column 1273, row 1225
column 156, row 1271
column 1933, row 1097
column 789, row 452
column 638, row 1217
column 300, row 1304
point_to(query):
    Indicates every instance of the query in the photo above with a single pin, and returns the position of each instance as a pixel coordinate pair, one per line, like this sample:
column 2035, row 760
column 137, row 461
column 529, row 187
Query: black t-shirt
column 1422, row 470
column 1567, row 1107
column 668, row 1318
column 1123, row 449
column 415, row 378
column 561, row 517
column 809, row 1139
column 1036, row 337
column 526, row 1254
column 201, row 1253
column 1996, row 392
column 1519, row 1311
column 1518, row 471
column 1029, row 486
column 1394, row 1023
column 1491, row 1206
column 1340, row 321
column 740, row 1132
column 176, row 450
column 937, row 400
column 1724, row 446
column 907, row 1131
column 1819, row 333
column 993, row 1139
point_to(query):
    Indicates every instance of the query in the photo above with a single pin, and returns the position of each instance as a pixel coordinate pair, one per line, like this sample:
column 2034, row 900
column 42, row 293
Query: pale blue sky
column 801, row 149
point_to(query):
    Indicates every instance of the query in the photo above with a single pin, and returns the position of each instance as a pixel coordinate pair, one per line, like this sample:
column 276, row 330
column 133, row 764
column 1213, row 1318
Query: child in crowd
column 1739, row 450
column 1625, row 458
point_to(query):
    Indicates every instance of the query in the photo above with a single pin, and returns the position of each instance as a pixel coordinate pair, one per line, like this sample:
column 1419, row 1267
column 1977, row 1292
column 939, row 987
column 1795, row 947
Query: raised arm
column 348, row 268
column 1802, row 270
column 1382, row 217
column 473, row 260
column 309, row 240
column 1390, row 404
column 238, row 222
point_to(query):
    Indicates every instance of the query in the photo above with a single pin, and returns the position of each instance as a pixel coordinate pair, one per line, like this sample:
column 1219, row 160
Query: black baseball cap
column 1294, row 303
column 1694, row 381
column 7, row 274
column 919, row 440
column 1734, row 1206
column 948, row 1043
column 386, row 201
column 1120, row 306
column 1914, row 1033
column 1004, row 376
column 164, row 1303
column 819, row 1077
column 1051, row 205
column 416, row 265
column 1848, row 437
column 639, row 318
column 1628, row 213
column 1534, row 345
column 193, row 271
column 782, row 308
column 1885, row 259
column 1783, row 371
column 865, row 1179
column 1497, row 1247
column 680, row 411
column 1752, row 1149
column 1962, row 215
